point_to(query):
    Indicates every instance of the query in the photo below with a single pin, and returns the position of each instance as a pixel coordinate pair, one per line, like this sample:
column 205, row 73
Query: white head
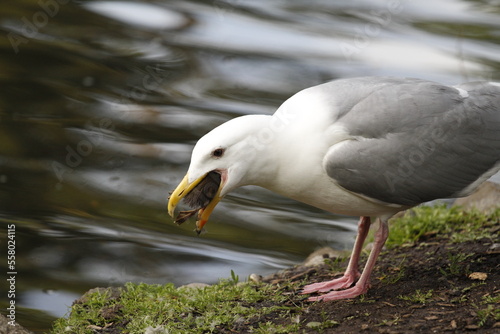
column 230, row 150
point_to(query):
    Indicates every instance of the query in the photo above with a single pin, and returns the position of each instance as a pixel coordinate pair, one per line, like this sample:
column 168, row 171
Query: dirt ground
column 447, row 286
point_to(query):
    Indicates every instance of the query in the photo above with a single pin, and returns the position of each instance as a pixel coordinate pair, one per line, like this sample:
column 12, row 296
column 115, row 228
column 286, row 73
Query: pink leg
column 362, row 285
column 352, row 272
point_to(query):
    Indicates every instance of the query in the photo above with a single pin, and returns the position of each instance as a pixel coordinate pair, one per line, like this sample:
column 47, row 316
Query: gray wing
column 415, row 140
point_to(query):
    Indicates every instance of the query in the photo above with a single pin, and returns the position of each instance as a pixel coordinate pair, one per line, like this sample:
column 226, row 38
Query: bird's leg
column 352, row 272
column 362, row 285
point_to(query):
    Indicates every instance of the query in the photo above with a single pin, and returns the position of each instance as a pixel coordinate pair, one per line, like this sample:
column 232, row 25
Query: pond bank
column 440, row 272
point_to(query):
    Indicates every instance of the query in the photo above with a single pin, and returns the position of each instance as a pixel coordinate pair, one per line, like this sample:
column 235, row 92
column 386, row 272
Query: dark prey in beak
column 200, row 196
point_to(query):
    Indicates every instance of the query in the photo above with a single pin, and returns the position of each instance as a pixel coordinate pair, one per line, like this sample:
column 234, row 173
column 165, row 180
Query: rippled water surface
column 101, row 103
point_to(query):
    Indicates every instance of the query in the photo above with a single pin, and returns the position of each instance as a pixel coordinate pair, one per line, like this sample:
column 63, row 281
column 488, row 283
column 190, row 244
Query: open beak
column 183, row 190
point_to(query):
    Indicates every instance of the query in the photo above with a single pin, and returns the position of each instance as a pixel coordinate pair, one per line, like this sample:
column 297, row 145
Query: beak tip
column 176, row 195
column 170, row 209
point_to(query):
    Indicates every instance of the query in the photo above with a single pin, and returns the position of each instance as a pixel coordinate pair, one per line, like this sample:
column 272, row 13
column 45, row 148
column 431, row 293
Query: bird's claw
column 340, row 283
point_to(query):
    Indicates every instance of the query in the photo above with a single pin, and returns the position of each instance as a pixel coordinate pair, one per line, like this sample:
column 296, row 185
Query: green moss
column 488, row 308
column 418, row 297
column 457, row 264
column 426, row 220
column 169, row 309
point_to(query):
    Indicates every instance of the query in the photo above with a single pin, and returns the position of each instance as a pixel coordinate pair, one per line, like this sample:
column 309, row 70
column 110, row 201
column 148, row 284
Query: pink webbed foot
column 358, row 289
column 362, row 285
column 337, row 284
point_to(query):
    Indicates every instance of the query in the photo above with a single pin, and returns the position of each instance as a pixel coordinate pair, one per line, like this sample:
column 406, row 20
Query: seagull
column 367, row 147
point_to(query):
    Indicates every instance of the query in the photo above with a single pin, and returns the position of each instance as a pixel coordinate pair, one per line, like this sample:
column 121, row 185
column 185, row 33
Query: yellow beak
column 182, row 190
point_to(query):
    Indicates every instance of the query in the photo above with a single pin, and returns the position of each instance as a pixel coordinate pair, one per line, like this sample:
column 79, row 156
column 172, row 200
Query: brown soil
column 456, row 303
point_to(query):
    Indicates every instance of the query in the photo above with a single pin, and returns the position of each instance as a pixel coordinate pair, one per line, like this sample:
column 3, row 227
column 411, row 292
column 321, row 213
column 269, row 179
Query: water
column 101, row 103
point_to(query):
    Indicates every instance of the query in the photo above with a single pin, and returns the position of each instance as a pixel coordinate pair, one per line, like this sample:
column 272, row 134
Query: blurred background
column 101, row 103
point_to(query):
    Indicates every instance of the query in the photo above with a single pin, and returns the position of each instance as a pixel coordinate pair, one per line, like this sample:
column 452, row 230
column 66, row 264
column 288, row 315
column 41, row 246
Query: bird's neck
column 287, row 158
column 279, row 156
column 260, row 151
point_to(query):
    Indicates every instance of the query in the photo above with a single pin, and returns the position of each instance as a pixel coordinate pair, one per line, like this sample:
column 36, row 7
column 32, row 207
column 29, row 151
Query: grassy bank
column 440, row 272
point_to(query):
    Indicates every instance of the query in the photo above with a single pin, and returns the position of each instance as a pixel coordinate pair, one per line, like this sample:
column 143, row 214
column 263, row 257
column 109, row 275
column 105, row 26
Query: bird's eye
column 218, row 152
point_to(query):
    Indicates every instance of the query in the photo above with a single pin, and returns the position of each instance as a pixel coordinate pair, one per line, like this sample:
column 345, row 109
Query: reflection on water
column 102, row 101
